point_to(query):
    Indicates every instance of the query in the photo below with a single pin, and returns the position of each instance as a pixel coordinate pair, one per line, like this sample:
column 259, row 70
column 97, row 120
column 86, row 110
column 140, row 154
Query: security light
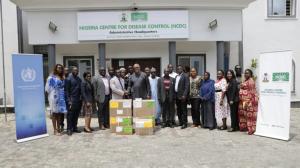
column 52, row 27
column 213, row 24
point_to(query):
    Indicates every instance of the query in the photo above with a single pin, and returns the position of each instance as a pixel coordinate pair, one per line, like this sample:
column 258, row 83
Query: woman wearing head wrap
column 207, row 94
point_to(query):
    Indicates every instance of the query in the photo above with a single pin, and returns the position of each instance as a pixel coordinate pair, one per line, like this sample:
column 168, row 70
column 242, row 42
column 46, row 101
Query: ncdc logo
column 28, row 74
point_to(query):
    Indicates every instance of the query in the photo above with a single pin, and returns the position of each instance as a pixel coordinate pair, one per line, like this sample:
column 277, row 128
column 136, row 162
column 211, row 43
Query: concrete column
column 241, row 55
column 172, row 53
column 220, row 54
column 102, row 55
column 51, row 57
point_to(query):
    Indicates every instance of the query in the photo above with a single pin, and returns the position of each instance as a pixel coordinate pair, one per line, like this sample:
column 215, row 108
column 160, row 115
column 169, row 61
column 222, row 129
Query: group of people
column 212, row 102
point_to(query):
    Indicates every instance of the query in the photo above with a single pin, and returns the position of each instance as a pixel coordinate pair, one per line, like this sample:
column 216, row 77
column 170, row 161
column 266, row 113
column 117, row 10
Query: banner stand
column 29, row 97
column 32, row 138
column 275, row 75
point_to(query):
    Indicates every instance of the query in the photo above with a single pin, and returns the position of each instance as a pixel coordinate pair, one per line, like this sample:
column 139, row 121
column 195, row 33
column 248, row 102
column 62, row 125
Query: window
column 193, row 61
column 83, row 63
column 281, row 8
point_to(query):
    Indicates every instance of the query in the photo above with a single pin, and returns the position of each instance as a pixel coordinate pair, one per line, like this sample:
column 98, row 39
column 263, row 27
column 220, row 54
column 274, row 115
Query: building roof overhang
column 38, row 5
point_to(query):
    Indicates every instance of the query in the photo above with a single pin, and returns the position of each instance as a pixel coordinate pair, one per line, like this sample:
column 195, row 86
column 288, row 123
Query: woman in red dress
column 248, row 105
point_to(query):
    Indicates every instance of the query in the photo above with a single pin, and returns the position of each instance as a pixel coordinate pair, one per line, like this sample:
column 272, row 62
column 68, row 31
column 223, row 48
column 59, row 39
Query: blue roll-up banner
column 29, row 96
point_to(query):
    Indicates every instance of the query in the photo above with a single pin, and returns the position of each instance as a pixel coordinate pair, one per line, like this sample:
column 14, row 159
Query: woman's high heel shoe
column 87, row 131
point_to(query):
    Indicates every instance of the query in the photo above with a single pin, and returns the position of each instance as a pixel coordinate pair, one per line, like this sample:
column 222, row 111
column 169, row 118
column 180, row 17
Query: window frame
column 271, row 16
column 66, row 58
column 191, row 55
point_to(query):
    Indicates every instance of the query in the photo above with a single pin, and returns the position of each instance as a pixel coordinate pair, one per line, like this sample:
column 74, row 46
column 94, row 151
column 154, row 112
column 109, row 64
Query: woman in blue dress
column 56, row 97
column 207, row 95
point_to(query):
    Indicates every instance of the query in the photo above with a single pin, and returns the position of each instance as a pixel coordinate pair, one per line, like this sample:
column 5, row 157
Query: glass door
column 193, row 61
column 84, row 64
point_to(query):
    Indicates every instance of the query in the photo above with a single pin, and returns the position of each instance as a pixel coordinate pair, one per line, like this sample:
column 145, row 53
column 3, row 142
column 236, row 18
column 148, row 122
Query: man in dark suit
column 139, row 85
column 73, row 92
column 182, row 86
column 166, row 98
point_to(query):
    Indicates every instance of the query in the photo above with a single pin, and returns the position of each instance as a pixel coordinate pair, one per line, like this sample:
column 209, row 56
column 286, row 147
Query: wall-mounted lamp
column 213, row 24
column 52, row 27
column 134, row 7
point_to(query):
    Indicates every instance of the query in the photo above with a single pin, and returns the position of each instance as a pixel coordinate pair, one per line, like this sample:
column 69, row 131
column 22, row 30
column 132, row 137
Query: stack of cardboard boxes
column 143, row 116
column 121, row 117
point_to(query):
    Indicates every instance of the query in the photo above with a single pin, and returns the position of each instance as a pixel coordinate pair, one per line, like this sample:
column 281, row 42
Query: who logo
column 28, row 74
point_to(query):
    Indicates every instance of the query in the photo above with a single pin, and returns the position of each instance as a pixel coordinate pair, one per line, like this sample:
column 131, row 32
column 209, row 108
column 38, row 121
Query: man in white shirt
column 117, row 86
column 172, row 73
column 153, row 79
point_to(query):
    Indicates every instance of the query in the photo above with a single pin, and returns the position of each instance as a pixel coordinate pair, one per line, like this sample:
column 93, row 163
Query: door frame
column 160, row 63
column 81, row 57
column 200, row 54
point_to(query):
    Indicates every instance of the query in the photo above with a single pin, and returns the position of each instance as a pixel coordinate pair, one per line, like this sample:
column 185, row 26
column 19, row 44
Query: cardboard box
column 120, row 107
column 144, row 126
column 113, row 128
column 144, row 131
column 143, row 108
column 124, row 130
column 119, row 121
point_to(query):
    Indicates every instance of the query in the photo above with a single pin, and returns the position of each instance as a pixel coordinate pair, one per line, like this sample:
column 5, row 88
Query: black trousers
column 72, row 115
column 168, row 112
column 234, row 115
column 182, row 111
column 195, row 110
column 103, row 111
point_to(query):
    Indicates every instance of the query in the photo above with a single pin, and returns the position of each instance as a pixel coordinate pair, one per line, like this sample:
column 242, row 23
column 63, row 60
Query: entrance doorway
column 144, row 62
column 83, row 63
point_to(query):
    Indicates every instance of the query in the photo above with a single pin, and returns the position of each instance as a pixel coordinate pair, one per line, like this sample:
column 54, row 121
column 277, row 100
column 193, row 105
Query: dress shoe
column 194, row 125
column 184, row 126
column 69, row 132
column 76, row 131
column 171, row 126
column 87, row 131
column 101, row 127
column 232, row 130
column 178, row 125
column 61, row 128
column 163, row 125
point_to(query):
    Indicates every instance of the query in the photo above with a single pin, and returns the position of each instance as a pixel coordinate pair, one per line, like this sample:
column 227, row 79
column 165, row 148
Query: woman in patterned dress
column 221, row 105
column 195, row 83
column 248, row 104
column 56, row 97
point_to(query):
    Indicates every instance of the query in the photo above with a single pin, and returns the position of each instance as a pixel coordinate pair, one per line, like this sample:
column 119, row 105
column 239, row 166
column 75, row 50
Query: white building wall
column 76, row 50
column 266, row 35
column 10, row 46
column 229, row 26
